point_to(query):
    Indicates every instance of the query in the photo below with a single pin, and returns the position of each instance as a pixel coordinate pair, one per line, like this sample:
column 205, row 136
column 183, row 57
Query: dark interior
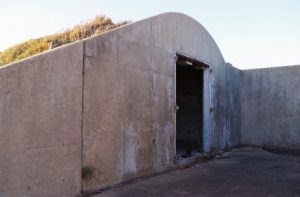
column 189, row 101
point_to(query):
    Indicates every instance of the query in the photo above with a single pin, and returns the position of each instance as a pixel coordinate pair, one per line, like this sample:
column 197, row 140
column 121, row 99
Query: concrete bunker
column 189, row 106
column 108, row 104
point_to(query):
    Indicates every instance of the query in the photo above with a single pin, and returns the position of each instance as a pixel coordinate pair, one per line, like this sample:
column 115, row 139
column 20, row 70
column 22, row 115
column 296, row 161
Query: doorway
column 189, row 106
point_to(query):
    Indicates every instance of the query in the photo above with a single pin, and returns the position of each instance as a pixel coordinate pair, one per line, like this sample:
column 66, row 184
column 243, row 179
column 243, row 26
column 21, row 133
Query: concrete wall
column 271, row 107
column 233, row 106
column 40, row 118
column 129, row 96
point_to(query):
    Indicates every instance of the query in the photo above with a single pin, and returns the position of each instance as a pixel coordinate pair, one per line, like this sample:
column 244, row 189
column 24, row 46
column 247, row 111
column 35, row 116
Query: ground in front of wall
column 241, row 172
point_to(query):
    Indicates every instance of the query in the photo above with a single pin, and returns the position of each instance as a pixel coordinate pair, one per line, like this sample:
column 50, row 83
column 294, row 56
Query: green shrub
column 26, row 49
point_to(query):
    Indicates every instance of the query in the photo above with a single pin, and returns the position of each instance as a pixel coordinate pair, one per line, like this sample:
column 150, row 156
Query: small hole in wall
column 87, row 172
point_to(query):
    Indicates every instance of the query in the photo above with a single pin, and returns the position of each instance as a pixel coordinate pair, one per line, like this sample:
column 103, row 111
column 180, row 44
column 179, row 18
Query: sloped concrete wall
column 271, row 107
column 40, row 124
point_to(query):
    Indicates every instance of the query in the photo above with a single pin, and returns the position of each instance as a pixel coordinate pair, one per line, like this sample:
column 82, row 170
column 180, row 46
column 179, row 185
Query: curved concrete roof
column 175, row 32
column 199, row 42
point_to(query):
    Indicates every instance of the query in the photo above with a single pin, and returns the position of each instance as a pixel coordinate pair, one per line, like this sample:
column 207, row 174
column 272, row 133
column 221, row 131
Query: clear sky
column 250, row 33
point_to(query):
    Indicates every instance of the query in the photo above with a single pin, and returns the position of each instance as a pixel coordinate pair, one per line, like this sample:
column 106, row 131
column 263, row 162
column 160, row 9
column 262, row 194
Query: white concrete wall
column 271, row 107
column 40, row 124
column 233, row 106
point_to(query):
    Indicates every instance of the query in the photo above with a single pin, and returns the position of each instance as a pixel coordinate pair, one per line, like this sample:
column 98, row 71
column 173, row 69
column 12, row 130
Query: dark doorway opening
column 189, row 107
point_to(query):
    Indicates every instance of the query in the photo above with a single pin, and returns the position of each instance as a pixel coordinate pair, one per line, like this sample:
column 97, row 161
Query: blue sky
column 256, row 33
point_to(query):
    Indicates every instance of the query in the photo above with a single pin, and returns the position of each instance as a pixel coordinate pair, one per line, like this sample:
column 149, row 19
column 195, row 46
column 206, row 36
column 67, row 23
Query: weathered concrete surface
column 173, row 33
column 129, row 96
column 40, row 118
column 233, row 106
column 271, row 107
column 242, row 172
column 103, row 117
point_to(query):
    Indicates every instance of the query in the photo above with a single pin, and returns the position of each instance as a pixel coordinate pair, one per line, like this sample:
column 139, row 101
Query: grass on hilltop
column 26, row 49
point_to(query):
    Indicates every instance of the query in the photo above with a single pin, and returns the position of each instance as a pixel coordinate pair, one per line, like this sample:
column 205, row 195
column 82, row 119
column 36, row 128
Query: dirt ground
column 242, row 172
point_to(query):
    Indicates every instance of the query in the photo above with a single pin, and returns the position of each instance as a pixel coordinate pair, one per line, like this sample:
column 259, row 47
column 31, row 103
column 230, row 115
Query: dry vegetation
column 26, row 49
